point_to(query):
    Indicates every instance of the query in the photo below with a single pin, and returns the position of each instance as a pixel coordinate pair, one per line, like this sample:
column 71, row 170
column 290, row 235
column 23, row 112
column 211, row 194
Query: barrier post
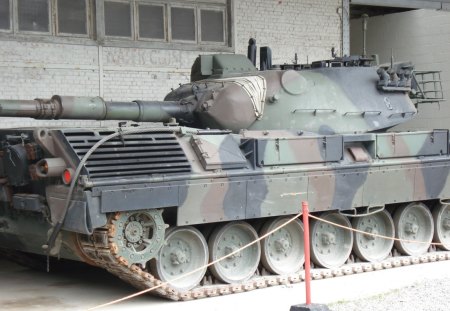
column 305, row 214
column 308, row 306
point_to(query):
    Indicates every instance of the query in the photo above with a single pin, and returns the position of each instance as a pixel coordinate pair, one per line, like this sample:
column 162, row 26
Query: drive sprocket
column 137, row 236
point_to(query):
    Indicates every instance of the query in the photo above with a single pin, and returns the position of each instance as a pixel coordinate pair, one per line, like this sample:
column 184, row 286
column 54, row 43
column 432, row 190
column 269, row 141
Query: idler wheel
column 330, row 245
column 441, row 217
column 282, row 251
column 227, row 239
column 370, row 248
column 413, row 222
column 184, row 250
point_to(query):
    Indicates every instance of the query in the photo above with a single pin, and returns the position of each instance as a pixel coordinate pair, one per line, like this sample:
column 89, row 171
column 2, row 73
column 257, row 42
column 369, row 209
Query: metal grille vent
column 130, row 155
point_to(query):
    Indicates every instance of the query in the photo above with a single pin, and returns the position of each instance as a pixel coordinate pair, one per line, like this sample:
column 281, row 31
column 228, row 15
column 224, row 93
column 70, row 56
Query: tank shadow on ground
column 65, row 275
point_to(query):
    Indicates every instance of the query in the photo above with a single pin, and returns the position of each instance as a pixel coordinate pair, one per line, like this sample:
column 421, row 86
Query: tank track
column 101, row 252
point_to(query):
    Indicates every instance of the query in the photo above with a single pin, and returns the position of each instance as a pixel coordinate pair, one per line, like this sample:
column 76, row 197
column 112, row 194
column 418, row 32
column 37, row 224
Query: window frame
column 30, row 32
column 165, row 21
column 136, row 42
column 96, row 27
column 224, row 21
column 132, row 22
column 78, row 35
column 182, row 6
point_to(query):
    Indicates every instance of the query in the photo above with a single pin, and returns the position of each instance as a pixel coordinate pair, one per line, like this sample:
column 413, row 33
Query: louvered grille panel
column 130, row 155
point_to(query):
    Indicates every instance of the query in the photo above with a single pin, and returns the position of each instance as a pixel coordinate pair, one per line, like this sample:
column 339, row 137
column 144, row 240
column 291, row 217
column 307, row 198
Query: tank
column 225, row 159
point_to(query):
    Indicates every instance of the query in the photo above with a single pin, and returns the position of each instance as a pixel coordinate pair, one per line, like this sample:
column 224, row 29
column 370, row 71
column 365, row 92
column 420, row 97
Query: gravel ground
column 77, row 287
column 430, row 295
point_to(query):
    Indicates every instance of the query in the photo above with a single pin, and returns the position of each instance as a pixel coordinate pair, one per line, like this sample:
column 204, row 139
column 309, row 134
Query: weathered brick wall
column 309, row 28
column 29, row 70
column 130, row 73
column 421, row 36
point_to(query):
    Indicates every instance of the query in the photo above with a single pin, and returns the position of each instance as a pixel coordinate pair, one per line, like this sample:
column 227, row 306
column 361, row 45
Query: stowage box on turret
column 225, row 159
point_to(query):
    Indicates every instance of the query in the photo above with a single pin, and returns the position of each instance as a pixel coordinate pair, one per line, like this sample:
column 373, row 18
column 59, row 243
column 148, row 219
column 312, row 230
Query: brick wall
column 307, row 27
column 421, row 36
column 29, row 70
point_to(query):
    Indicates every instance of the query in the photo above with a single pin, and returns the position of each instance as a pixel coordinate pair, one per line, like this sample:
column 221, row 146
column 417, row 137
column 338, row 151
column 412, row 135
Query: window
column 151, row 22
column 5, row 11
column 212, row 22
column 46, row 17
column 166, row 24
column 183, row 23
column 118, row 19
column 72, row 17
column 176, row 22
column 33, row 15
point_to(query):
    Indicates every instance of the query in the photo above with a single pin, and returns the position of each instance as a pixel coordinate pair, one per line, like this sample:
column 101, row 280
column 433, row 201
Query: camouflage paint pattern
column 311, row 142
column 276, row 186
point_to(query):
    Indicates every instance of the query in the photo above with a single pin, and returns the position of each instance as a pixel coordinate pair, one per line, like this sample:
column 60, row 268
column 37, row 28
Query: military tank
column 225, row 159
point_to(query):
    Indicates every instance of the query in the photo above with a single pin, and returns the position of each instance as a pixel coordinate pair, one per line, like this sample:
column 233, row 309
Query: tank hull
column 187, row 184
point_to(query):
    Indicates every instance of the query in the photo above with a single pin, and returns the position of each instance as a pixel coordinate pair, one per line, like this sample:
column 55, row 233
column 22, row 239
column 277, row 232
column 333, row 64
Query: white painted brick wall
column 421, row 36
column 29, row 70
column 307, row 27
column 144, row 73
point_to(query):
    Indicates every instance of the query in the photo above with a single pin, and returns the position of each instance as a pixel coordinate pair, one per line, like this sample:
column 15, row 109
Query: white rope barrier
column 248, row 245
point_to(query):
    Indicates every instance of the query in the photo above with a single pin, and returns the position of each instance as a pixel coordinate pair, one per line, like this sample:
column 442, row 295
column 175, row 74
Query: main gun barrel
column 95, row 108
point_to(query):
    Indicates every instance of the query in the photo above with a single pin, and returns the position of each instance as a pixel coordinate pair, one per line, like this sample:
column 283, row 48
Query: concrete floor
column 73, row 286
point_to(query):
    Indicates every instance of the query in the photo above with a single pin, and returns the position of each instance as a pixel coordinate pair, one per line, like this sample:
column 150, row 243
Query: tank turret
column 343, row 95
column 227, row 92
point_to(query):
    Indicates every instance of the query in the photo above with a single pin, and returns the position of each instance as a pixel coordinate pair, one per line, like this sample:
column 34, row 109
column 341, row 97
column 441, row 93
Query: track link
column 101, row 251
